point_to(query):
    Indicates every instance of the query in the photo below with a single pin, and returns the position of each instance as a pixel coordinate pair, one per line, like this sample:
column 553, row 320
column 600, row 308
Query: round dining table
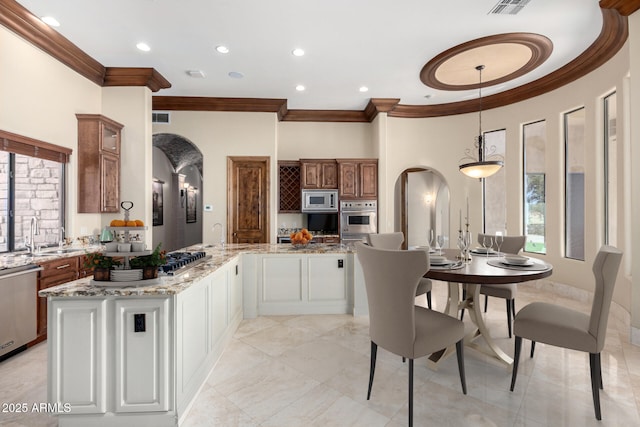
column 481, row 269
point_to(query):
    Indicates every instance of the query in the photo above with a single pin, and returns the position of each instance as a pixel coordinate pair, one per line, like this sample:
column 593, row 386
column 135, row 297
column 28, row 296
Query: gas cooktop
column 179, row 262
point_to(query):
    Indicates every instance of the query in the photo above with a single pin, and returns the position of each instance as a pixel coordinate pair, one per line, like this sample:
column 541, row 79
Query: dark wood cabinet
column 318, row 174
column 53, row 273
column 98, row 164
column 289, row 199
column 358, row 178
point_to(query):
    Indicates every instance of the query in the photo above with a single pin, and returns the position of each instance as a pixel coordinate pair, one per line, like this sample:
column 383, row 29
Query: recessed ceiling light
column 300, row 88
column 298, row 52
column 236, row 75
column 222, row 49
column 196, row 73
column 50, row 21
column 143, row 47
column 363, row 89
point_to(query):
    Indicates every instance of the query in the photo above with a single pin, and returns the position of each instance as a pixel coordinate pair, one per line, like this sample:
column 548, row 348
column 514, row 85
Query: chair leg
column 410, row 392
column 486, row 302
column 594, row 364
column 509, row 316
column 516, row 359
column 464, row 297
column 533, row 347
column 460, row 354
column 372, row 369
column 513, row 308
column 429, row 300
column 600, row 370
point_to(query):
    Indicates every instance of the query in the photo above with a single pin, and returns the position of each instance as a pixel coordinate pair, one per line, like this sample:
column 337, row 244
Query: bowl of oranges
column 300, row 239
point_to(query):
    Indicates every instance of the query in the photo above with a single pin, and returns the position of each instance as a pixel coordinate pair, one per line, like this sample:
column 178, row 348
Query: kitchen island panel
column 78, row 362
column 142, row 355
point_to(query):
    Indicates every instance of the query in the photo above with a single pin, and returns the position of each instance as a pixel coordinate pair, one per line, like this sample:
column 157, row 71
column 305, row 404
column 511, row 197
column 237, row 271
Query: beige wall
column 219, row 135
column 39, row 99
column 131, row 106
column 324, row 140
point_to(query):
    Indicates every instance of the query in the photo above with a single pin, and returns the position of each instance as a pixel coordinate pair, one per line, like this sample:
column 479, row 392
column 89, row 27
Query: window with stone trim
column 32, row 184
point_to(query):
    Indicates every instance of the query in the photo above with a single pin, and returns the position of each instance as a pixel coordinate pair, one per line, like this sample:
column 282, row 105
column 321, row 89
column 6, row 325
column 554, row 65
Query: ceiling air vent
column 508, row 7
column 160, row 118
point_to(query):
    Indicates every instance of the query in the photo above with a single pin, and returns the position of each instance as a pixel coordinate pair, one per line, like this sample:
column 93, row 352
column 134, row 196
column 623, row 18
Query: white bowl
column 516, row 259
column 437, row 259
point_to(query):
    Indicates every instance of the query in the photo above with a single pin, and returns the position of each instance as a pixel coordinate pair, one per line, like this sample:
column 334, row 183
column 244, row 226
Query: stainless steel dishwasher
column 18, row 293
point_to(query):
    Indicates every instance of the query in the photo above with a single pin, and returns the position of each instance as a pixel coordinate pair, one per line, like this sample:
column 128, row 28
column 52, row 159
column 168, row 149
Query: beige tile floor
column 284, row 371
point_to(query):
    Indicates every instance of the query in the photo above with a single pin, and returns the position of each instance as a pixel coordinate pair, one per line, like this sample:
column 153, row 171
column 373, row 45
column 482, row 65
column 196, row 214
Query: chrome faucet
column 61, row 241
column 34, row 230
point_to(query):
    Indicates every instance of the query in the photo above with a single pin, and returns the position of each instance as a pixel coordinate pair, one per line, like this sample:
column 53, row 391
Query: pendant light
column 483, row 166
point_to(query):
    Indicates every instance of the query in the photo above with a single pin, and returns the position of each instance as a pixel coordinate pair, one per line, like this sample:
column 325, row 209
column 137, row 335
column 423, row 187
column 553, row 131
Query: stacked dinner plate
column 126, row 275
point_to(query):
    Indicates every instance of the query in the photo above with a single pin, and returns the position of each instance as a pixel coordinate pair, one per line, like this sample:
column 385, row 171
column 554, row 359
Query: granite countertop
column 171, row 285
column 18, row 259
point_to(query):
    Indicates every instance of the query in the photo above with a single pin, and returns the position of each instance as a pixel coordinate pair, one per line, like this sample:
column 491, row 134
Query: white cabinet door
column 142, row 355
column 281, row 279
column 77, row 363
column 327, row 278
column 303, row 284
column 219, row 305
column 192, row 336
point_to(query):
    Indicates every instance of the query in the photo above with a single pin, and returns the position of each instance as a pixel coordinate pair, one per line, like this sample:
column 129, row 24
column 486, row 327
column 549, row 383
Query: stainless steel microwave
column 319, row 200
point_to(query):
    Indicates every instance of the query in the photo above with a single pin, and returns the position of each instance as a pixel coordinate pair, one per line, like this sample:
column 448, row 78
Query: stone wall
column 38, row 192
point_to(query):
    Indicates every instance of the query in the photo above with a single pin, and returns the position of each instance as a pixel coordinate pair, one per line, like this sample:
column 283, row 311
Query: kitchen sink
column 50, row 252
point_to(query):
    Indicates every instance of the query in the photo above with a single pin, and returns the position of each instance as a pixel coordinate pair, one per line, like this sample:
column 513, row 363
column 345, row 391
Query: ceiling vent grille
column 508, row 7
column 160, row 118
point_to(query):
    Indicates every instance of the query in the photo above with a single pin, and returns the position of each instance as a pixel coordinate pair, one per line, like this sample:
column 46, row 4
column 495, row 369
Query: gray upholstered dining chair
column 510, row 245
column 562, row 327
column 395, row 322
column 394, row 241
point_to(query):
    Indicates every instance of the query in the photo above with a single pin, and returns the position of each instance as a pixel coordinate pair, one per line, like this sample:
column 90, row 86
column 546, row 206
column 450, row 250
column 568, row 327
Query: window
column 534, row 138
column 31, row 185
column 574, row 192
column 494, row 187
column 610, row 167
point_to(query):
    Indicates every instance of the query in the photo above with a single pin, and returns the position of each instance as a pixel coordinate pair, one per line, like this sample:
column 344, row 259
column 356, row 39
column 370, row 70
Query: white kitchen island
column 122, row 356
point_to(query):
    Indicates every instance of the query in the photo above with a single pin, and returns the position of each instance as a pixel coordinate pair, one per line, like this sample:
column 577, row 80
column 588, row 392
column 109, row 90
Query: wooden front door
column 248, row 199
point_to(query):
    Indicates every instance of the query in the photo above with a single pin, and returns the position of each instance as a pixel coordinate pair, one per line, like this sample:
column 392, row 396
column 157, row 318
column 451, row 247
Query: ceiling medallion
column 510, row 55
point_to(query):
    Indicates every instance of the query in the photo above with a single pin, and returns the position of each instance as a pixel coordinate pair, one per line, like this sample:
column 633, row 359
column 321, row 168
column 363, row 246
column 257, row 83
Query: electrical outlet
column 139, row 323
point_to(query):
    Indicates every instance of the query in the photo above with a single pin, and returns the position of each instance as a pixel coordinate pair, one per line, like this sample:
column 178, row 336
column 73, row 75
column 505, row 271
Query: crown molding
column 201, row 103
column 22, row 22
column 611, row 39
column 148, row 77
column 325, row 116
column 624, row 7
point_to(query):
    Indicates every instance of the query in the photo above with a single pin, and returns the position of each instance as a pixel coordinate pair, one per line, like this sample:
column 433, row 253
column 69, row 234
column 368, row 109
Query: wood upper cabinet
column 98, row 164
column 318, row 173
column 358, row 178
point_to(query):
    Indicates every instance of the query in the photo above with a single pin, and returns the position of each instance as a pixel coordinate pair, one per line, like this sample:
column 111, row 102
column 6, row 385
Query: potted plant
column 150, row 263
column 100, row 264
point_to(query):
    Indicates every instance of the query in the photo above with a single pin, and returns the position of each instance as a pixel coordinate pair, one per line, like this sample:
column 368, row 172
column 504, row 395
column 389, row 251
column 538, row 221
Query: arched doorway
column 178, row 184
column 423, row 206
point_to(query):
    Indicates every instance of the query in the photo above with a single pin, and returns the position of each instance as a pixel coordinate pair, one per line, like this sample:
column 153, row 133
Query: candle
column 467, row 210
column 460, row 224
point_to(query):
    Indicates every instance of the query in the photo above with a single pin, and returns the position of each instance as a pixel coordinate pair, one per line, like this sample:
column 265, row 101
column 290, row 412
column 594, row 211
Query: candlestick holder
column 464, row 243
